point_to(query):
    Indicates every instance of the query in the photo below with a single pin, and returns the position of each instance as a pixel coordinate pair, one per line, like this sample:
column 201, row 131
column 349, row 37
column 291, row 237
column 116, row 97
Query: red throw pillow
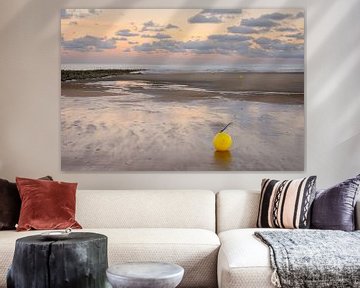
column 46, row 204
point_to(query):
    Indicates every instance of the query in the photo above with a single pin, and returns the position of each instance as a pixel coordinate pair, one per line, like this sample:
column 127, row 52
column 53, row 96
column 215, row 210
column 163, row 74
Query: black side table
column 79, row 261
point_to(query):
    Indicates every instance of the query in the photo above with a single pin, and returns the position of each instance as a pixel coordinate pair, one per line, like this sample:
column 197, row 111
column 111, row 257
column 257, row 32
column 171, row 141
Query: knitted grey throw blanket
column 313, row 258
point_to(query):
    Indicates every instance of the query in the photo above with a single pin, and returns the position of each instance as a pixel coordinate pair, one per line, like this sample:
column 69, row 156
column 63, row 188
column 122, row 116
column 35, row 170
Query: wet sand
column 166, row 122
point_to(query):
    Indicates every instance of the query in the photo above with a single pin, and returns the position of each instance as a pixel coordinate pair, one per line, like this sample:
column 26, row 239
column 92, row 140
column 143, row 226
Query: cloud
column 94, row 11
column 157, row 36
column 265, row 41
column 258, row 22
column 275, row 47
column 242, row 30
column 285, row 54
column 133, row 42
column 78, row 13
column 266, row 20
column 213, row 15
column 208, row 46
column 300, row 15
column 227, row 37
column 275, row 16
column 121, row 38
column 201, row 18
column 89, row 43
column 126, row 33
column 162, row 45
column 216, row 47
column 299, row 36
column 151, row 26
column 286, row 29
column 268, row 48
column 171, row 26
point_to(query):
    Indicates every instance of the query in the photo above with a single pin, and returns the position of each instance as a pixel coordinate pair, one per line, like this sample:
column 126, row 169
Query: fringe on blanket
column 275, row 280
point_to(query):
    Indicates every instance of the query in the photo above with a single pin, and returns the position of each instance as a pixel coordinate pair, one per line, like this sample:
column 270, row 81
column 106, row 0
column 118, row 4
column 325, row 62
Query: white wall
column 30, row 89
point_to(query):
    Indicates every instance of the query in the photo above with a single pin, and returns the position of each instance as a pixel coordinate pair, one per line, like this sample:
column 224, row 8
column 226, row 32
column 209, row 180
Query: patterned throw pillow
column 286, row 204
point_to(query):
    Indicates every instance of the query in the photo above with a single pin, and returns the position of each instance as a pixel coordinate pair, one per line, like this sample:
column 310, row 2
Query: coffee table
column 145, row 275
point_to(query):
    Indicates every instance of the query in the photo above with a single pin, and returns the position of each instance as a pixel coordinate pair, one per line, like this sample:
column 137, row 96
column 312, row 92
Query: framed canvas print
column 182, row 89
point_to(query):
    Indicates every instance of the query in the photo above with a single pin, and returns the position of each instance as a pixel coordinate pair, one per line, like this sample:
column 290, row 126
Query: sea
column 250, row 68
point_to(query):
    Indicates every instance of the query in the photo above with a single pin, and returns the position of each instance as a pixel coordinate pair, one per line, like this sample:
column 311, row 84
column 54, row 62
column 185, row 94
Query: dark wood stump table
column 78, row 261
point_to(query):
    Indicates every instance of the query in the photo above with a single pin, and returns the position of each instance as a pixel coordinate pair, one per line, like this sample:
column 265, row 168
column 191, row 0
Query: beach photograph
column 182, row 90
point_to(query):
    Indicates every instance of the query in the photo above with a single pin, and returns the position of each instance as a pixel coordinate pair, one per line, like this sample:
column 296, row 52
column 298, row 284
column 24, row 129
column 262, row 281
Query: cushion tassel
column 275, row 280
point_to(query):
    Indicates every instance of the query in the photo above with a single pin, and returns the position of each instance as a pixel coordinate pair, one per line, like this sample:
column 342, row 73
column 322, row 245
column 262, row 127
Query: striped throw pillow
column 286, row 204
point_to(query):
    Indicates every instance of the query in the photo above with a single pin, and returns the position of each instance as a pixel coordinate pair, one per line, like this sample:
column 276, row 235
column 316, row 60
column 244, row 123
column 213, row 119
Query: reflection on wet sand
column 223, row 159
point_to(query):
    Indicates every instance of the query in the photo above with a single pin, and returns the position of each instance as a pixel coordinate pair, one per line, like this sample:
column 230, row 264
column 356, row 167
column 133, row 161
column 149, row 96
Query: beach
column 166, row 121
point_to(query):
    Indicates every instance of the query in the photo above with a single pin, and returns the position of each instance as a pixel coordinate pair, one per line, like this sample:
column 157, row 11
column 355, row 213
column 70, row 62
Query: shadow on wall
column 334, row 84
column 343, row 67
column 338, row 72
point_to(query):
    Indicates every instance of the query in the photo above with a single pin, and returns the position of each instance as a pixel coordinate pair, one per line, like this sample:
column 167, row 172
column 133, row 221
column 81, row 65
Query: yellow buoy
column 222, row 140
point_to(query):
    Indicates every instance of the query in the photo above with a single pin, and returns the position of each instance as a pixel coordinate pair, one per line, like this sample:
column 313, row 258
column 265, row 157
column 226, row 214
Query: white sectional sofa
column 163, row 225
column 243, row 260
column 177, row 226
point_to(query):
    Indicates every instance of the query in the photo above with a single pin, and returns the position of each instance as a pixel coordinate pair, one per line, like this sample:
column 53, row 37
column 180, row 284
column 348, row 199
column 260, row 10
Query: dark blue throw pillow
column 334, row 208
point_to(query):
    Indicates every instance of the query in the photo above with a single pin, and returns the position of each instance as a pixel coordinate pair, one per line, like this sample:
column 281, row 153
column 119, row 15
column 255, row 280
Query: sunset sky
column 182, row 36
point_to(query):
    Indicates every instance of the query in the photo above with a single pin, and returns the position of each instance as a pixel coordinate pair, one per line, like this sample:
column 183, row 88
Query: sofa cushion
column 244, row 261
column 146, row 209
column 194, row 249
column 286, row 204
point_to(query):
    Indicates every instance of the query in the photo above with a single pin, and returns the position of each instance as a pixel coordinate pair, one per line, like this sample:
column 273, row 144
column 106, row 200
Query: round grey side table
column 145, row 275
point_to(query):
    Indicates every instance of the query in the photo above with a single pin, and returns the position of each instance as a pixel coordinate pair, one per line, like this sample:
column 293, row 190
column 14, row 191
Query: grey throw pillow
column 334, row 208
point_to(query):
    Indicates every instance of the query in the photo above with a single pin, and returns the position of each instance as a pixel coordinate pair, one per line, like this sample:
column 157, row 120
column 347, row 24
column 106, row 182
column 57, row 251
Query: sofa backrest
column 239, row 209
column 146, row 209
column 236, row 209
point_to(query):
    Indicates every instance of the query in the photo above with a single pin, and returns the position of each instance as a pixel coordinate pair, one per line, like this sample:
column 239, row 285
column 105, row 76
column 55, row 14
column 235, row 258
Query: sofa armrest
column 357, row 215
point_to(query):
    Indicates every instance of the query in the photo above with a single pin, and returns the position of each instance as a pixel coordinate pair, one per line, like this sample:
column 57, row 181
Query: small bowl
column 56, row 235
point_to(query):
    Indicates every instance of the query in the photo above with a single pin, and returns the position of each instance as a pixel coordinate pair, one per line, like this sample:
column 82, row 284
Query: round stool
column 145, row 275
column 78, row 261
